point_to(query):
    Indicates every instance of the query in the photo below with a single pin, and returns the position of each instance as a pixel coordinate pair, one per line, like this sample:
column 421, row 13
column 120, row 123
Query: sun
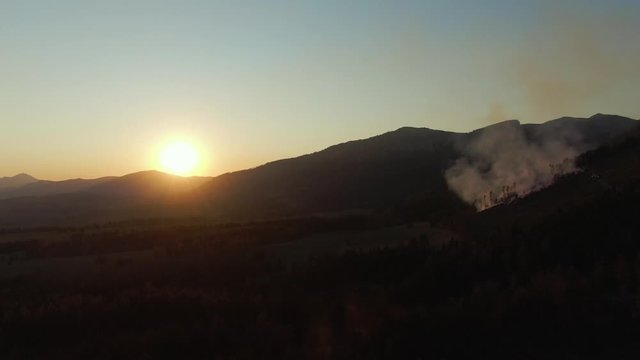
column 179, row 158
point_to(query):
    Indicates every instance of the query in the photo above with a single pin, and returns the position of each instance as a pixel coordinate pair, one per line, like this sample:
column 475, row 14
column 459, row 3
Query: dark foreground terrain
column 565, row 289
column 555, row 275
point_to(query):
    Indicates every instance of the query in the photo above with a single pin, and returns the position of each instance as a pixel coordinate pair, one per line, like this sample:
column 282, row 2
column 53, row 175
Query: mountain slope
column 376, row 172
column 589, row 132
column 147, row 184
column 139, row 195
column 47, row 187
column 401, row 171
column 609, row 172
column 395, row 169
column 13, row 182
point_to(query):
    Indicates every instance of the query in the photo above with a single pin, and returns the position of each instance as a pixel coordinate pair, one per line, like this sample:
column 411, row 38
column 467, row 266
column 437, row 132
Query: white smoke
column 503, row 162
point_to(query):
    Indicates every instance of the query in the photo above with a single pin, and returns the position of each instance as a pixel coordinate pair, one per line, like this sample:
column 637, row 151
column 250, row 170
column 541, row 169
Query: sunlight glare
column 179, row 158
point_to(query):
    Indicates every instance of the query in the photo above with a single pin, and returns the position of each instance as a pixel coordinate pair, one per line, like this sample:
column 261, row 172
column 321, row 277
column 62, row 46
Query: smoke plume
column 505, row 161
column 575, row 58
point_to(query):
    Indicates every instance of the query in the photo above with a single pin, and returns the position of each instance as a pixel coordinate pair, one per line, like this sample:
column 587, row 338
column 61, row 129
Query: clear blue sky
column 93, row 88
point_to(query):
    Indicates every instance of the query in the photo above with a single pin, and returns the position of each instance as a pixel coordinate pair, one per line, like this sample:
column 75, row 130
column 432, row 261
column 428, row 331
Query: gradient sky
column 94, row 88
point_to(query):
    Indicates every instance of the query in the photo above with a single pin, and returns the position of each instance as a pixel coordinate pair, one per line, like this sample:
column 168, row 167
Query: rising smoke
column 576, row 56
column 507, row 160
column 579, row 55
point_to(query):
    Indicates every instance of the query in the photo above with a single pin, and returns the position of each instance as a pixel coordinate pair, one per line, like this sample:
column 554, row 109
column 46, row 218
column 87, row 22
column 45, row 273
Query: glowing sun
column 179, row 158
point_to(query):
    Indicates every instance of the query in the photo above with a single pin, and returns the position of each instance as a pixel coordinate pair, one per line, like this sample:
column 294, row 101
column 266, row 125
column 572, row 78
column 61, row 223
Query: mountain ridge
column 408, row 143
column 10, row 182
column 394, row 170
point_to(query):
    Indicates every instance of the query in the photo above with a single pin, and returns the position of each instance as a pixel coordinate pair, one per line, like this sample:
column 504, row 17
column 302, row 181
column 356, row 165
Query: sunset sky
column 94, row 88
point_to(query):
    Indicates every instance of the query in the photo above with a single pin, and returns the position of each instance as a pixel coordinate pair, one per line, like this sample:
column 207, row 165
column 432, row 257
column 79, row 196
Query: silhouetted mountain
column 590, row 132
column 47, row 187
column 603, row 174
column 147, row 184
column 401, row 171
column 140, row 185
column 378, row 172
column 142, row 194
column 8, row 183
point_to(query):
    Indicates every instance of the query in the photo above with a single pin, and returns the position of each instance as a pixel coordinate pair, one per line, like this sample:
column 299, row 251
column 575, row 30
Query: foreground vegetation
column 567, row 286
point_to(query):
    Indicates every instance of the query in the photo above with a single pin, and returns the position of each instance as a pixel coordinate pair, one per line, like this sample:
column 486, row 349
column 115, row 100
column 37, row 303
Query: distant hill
column 143, row 184
column 139, row 195
column 402, row 172
column 147, row 184
column 47, row 187
column 13, row 182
